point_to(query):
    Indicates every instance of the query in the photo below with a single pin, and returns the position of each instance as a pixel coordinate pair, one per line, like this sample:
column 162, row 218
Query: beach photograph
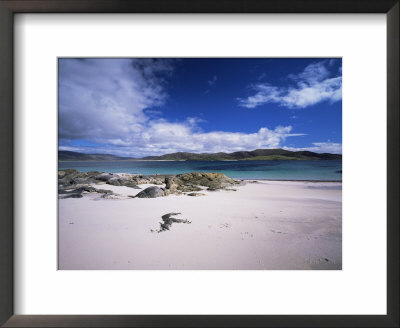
column 199, row 164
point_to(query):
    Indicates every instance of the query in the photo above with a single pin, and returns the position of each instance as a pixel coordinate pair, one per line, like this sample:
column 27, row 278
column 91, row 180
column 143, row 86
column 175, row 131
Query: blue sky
column 141, row 107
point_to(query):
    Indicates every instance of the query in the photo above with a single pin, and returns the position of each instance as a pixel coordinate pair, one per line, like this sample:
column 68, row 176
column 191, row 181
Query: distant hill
column 64, row 155
column 258, row 154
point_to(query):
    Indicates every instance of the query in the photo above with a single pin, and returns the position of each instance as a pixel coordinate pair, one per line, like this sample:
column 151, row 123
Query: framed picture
column 163, row 165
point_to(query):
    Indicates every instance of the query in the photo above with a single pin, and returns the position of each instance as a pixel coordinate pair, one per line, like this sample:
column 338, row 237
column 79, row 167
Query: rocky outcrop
column 72, row 182
column 73, row 178
column 171, row 183
column 190, row 182
column 214, row 180
column 103, row 177
column 151, row 192
column 123, row 181
column 70, row 177
column 149, row 179
column 78, row 192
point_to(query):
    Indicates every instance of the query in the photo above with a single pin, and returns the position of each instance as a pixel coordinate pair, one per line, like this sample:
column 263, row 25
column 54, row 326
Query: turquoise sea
column 329, row 170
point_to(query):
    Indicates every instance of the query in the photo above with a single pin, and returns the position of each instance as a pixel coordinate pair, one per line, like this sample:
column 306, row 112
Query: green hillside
column 258, row 154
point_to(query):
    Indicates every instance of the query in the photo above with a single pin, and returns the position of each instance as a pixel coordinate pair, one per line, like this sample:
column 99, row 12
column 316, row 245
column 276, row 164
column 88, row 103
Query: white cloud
column 313, row 73
column 103, row 99
column 212, row 81
column 262, row 76
column 165, row 137
column 312, row 86
column 161, row 137
column 320, row 147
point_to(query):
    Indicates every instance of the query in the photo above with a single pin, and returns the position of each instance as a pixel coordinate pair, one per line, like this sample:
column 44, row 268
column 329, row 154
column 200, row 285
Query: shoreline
column 189, row 172
column 288, row 180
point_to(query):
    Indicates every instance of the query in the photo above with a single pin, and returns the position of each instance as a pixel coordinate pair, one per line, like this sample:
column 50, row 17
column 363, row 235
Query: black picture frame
column 10, row 7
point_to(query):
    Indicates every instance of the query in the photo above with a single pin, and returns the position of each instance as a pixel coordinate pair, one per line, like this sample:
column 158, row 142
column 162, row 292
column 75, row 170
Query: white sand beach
column 278, row 225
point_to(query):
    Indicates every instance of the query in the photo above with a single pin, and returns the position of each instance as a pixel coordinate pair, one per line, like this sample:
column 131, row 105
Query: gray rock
column 81, row 180
column 196, row 194
column 213, row 181
column 61, row 174
column 104, row 191
column 72, row 196
column 131, row 184
column 92, row 173
column 103, row 177
column 151, row 192
column 188, row 188
column 122, row 181
column 115, row 181
column 75, row 193
column 70, row 172
column 150, row 179
column 87, row 189
column 171, row 183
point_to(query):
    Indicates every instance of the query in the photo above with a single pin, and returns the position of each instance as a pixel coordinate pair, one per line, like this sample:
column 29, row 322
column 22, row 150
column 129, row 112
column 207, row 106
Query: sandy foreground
column 265, row 225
